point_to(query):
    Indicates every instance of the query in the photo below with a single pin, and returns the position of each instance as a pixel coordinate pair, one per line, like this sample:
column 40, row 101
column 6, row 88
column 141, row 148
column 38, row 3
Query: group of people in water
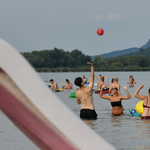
column 55, row 85
column 84, row 95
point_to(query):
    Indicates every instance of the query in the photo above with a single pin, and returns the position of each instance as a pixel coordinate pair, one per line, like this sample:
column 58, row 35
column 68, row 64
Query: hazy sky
column 72, row 24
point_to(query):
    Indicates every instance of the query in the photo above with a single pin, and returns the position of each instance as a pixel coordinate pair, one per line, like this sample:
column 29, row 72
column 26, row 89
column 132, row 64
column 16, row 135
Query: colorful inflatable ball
column 139, row 107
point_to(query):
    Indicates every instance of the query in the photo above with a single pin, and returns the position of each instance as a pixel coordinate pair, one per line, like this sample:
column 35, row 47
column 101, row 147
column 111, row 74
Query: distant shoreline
column 88, row 69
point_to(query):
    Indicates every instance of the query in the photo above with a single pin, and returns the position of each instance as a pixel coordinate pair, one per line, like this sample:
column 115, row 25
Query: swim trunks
column 57, row 90
column 145, row 117
column 88, row 114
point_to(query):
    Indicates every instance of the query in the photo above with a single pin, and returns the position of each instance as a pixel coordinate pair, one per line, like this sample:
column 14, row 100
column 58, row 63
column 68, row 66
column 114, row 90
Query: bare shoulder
column 90, row 86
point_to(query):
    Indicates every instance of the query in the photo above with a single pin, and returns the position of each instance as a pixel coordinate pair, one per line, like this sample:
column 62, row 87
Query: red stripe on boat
column 40, row 133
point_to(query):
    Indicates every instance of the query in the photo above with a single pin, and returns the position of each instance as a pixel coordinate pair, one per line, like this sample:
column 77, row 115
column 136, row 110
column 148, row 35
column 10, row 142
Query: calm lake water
column 124, row 133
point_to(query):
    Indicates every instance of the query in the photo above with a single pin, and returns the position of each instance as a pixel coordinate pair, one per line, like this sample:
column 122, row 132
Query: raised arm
column 119, row 89
column 101, row 94
column 128, row 94
column 92, row 72
column 136, row 94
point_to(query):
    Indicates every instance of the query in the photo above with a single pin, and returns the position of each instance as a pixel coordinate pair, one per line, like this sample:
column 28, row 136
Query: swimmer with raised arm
column 84, row 96
column 146, row 105
column 116, row 100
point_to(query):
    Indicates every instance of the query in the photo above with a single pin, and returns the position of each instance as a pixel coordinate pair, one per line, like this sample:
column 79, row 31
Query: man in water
column 54, row 85
column 100, row 84
column 84, row 96
column 116, row 84
column 84, row 79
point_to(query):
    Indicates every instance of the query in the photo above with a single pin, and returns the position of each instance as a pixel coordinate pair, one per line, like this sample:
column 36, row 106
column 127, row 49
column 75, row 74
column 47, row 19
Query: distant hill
column 123, row 52
column 143, row 52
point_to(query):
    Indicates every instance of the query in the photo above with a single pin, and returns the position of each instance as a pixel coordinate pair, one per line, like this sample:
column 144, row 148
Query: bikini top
column 145, row 106
column 117, row 103
column 69, row 85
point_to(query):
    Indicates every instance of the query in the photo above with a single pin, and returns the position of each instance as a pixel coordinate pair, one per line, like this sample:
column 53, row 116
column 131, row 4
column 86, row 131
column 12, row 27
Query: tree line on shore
column 58, row 60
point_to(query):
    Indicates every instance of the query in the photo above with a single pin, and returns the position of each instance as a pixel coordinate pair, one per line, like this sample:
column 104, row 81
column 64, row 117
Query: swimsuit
column 145, row 106
column 88, row 114
column 114, row 104
column 117, row 114
column 57, row 90
column 117, row 103
column 145, row 117
column 69, row 85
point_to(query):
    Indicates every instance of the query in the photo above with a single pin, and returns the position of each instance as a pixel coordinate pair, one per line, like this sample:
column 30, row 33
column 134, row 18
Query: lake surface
column 124, row 133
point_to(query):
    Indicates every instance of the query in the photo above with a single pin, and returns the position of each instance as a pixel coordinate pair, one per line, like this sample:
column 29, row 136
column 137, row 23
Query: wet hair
column 149, row 91
column 115, row 79
column 78, row 81
column 67, row 80
column 102, row 78
column 130, row 76
column 112, row 80
column 51, row 80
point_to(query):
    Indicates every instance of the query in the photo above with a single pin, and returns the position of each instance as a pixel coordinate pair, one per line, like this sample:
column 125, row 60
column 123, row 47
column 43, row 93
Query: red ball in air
column 100, row 31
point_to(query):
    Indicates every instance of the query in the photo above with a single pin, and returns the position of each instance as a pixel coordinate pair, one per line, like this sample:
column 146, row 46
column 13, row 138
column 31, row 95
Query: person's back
column 100, row 84
column 84, row 97
column 146, row 102
column 115, row 84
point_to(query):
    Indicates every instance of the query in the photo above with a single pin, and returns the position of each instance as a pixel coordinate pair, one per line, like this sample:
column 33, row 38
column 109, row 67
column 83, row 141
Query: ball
column 100, row 31
column 139, row 107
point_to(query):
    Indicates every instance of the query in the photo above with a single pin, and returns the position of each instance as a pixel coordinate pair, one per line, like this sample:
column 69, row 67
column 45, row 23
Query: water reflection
column 90, row 122
column 143, row 132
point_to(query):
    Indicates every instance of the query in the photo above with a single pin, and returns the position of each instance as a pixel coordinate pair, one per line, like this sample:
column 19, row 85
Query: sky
column 72, row 24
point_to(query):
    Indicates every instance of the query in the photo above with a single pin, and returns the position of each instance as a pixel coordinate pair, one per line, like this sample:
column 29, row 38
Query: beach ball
column 100, row 31
column 139, row 107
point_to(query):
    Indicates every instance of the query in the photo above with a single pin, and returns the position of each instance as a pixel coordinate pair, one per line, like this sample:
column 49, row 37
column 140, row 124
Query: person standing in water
column 84, row 79
column 116, row 100
column 146, row 105
column 100, row 84
column 69, row 85
column 131, row 79
column 116, row 84
column 54, row 85
column 84, row 96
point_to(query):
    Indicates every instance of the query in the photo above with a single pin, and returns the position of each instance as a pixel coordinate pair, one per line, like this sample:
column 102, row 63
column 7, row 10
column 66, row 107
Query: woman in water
column 69, row 85
column 116, row 99
column 131, row 79
column 146, row 104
